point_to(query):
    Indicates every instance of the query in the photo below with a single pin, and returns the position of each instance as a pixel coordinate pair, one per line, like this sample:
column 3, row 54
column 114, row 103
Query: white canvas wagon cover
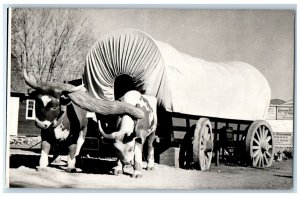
column 183, row 84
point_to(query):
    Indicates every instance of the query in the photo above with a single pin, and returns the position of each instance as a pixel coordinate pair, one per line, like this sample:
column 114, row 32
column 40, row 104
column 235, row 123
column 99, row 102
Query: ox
column 61, row 114
column 129, row 140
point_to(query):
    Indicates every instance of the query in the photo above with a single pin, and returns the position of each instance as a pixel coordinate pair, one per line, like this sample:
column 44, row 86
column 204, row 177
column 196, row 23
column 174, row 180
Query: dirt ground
column 97, row 174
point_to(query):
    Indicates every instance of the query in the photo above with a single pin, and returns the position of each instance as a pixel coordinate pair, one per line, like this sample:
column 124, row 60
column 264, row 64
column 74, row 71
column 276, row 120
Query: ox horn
column 31, row 83
column 105, row 135
column 114, row 135
column 46, row 86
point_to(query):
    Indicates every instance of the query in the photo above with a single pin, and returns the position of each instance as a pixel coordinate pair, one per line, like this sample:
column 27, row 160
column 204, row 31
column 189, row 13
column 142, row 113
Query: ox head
column 49, row 97
column 123, row 141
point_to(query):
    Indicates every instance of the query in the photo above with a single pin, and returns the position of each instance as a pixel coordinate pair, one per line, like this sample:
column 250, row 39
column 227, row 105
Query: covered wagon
column 195, row 97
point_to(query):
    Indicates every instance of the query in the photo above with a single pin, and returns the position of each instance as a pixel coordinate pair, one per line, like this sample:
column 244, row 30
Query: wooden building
column 21, row 115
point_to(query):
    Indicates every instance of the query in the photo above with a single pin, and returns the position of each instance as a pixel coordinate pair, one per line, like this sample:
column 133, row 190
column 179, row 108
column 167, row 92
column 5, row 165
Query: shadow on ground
column 88, row 165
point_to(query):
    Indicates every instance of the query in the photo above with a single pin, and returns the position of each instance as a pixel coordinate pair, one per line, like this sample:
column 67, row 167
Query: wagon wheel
column 259, row 144
column 203, row 144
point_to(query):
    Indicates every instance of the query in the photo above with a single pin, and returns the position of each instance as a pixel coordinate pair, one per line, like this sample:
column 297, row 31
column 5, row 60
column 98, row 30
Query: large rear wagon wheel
column 259, row 144
column 203, row 144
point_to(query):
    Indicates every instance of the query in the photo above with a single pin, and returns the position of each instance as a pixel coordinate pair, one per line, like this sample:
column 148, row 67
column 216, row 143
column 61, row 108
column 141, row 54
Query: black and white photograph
column 150, row 98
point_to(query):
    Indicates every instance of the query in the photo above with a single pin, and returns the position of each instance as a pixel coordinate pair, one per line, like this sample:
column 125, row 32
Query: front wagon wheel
column 259, row 144
column 203, row 144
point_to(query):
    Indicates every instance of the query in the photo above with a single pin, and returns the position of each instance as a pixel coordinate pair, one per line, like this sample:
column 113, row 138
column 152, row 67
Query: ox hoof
column 117, row 172
column 150, row 168
column 56, row 161
column 71, row 170
column 138, row 176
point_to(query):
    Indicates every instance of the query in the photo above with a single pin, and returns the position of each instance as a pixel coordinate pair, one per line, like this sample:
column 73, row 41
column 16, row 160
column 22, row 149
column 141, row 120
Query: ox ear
column 129, row 137
column 65, row 99
column 32, row 93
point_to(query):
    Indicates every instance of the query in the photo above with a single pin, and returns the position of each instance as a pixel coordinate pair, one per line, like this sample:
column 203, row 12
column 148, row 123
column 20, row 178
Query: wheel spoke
column 268, row 154
column 209, row 154
column 261, row 132
column 266, row 159
column 202, row 161
column 256, row 153
column 260, row 160
column 268, row 138
column 203, row 150
column 202, row 142
column 266, row 131
column 258, row 133
column 205, row 133
column 208, row 137
column 270, row 151
column 256, row 160
column 257, row 142
column 256, row 147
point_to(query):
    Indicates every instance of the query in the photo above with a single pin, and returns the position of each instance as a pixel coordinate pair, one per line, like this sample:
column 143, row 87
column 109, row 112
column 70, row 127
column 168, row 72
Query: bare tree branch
column 51, row 43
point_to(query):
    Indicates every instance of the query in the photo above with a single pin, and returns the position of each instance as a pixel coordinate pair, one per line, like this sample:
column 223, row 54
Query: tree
column 51, row 44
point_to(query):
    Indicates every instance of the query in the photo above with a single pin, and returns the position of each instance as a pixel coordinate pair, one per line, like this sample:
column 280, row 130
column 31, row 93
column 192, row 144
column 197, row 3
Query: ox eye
column 131, row 149
column 54, row 107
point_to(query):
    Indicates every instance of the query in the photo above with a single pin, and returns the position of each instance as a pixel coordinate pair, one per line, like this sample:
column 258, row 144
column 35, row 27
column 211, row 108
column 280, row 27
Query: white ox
column 132, row 134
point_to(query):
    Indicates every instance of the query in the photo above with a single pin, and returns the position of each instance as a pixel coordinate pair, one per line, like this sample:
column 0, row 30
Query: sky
column 262, row 38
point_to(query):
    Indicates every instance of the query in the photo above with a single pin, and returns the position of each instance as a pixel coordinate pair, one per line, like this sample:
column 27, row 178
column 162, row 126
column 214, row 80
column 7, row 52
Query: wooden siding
column 26, row 127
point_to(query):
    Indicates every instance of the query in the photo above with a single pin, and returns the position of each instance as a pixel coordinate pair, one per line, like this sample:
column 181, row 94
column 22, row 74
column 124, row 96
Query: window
column 30, row 109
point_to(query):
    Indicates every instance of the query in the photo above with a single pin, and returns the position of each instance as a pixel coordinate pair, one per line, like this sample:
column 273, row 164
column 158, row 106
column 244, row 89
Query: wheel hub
column 264, row 146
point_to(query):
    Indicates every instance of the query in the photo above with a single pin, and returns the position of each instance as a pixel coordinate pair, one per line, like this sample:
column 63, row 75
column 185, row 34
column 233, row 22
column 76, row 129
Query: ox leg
column 71, row 158
column 80, row 141
column 43, row 163
column 56, row 159
column 118, row 169
column 150, row 156
column 138, row 160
